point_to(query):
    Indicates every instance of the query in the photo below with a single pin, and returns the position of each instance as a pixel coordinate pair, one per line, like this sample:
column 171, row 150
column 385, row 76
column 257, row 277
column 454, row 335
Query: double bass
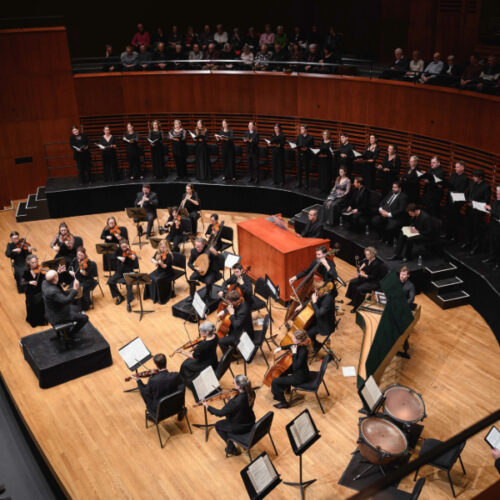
column 203, row 260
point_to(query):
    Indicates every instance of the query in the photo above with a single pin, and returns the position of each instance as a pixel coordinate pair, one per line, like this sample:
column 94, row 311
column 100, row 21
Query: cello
column 225, row 322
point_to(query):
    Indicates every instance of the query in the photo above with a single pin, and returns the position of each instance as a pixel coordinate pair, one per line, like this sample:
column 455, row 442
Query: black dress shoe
column 487, row 261
column 395, row 257
column 282, row 405
column 232, row 451
column 119, row 300
column 496, row 267
column 405, row 259
column 464, row 246
column 129, row 307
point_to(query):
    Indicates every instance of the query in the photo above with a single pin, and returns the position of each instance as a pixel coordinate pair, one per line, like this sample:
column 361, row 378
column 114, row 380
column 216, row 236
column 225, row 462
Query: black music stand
column 53, row 264
column 155, row 241
column 138, row 215
column 106, row 249
column 371, row 396
column 135, row 354
column 138, row 279
column 301, row 442
column 271, row 479
column 211, row 391
column 247, row 350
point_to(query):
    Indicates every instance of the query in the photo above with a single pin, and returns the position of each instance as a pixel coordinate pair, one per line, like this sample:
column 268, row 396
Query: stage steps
column 447, row 289
column 34, row 208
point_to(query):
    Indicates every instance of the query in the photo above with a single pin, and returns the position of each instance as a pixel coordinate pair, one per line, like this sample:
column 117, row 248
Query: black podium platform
column 54, row 364
column 183, row 309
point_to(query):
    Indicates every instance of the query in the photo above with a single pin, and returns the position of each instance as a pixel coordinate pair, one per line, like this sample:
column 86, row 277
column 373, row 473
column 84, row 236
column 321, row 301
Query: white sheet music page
column 246, row 346
column 261, row 473
column 205, row 383
column 371, row 392
column 134, row 352
column 302, row 430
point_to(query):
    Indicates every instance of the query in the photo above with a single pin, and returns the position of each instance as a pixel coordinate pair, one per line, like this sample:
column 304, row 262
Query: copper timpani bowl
column 403, row 404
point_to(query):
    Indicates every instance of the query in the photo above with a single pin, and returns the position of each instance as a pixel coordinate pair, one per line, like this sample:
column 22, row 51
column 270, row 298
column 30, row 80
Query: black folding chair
column 226, row 238
column 225, row 363
column 325, row 346
column 179, row 268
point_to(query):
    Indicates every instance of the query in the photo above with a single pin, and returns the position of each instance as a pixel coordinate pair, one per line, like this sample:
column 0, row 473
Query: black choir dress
column 202, row 161
column 81, row 156
column 179, row 151
column 35, row 308
column 411, row 185
column 133, row 154
column 385, row 179
column 109, row 160
column 204, row 355
column 278, row 158
column 161, row 282
column 325, row 166
column 228, row 155
column 368, row 167
column 157, row 153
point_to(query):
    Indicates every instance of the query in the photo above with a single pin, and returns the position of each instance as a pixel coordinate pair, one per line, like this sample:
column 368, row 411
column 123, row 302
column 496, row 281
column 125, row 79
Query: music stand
column 138, row 279
column 135, row 354
column 371, row 396
column 205, row 385
column 106, row 249
column 230, row 259
column 247, row 350
column 138, row 215
column 260, row 477
column 53, row 264
column 302, row 433
column 155, row 241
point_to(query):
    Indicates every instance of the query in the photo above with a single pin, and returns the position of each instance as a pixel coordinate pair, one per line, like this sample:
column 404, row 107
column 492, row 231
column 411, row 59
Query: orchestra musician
column 277, row 145
column 58, row 304
column 238, row 411
column 148, row 200
column 158, row 150
column 313, row 227
column 368, row 276
column 81, row 153
column 191, row 202
column 160, row 384
column 160, row 289
column 202, row 162
column 126, row 262
column 32, row 283
column 211, row 276
column 251, row 138
column 213, row 229
column 241, row 280
column 65, row 244
column 203, row 355
column 298, row 372
column 179, row 149
column 240, row 318
column 304, row 142
column 226, row 137
column 131, row 137
column 107, row 145
column 17, row 250
column 85, row 271
column 112, row 233
column 173, row 226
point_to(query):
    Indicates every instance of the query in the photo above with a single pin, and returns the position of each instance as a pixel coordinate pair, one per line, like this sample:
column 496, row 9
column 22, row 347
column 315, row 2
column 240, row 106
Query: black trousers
column 453, row 219
column 176, row 240
column 303, row 166
column 494, row 241
column 358, row 288
column 83, row 167
column 386, row 227
column 193, row 217
column 209, row 279
column 87, row 287
column 180, row 166
column 228, row 340
column 225, row 429
column 253, row 166
column 286, row 380
column 313, row 332
column 113, row 286
column 405, row 245
column 473, row 223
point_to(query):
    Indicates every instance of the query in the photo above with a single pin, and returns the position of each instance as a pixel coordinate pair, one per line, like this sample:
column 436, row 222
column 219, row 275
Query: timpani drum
column 380, row 440
column 403, row 405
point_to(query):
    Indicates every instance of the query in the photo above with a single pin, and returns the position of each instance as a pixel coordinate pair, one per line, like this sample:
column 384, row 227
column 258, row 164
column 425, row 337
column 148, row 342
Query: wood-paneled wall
column 37, row 104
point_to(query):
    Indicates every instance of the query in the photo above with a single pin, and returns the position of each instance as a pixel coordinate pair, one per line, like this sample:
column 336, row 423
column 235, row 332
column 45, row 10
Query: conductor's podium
column 270, row 248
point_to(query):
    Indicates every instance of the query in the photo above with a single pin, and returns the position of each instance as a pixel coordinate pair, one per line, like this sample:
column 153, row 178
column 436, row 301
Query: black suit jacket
column 326, row 274
column 241, row 321
column 397, row 208
column 424, row 223
column 160, row 385
column 360, row 199
column 312, row 230
column 57, row 303
column 300, row 367
column 324, row 309
column 246, row 288
column 149, row 206
column 478, row 191
column 239, row 414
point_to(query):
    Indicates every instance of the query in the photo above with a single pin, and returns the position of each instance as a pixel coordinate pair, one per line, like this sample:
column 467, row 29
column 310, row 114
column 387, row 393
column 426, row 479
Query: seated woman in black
column 18, row 250
column 85, row 271
column 65, row 244
column 202, row 356
column 368, row 278
column 191, row 202
column 239, row 414
column 32, row 284
column 174, row 228
column 298, row 373
column 112, row 233
column 160, row 288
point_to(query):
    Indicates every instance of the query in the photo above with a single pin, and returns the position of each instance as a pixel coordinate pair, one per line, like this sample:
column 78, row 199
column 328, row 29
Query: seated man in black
column 369, row 274
column 422, row 226
column 58, row 304
column 240, row 319
column 408, row 286
column 125, row 261
column 159, row 385
column 17, row 250
column 241, row 280
column 358, row 208
column 211, row 276
column 392, row 214
column 149, row 201
column 312, row 229
column 212, row 230
column 297, row 374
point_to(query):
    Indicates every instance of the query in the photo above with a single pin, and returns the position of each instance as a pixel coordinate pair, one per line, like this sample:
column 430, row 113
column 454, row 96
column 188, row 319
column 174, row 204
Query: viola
column 228, row 394
column 144, row 374
column 40, row 270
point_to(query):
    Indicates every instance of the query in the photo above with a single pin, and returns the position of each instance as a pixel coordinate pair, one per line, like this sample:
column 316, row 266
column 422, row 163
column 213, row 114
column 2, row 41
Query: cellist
column 298, row 372
column 239, row 279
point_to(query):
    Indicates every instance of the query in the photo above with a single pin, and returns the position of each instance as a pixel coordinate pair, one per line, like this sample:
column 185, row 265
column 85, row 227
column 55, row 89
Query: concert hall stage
column 54, row 364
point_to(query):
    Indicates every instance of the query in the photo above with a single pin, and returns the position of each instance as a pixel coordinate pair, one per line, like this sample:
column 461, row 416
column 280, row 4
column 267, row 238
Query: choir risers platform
column 53, row 363
column 34, row 208
column 447, row 288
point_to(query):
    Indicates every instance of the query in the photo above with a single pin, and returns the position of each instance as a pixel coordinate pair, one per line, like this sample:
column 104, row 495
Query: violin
column 233, row 286
column 188, row 345
column 177, row 221
column 144, row 374
column 65, row 237
column 116, row 232
column 24, row 245
column 40, row 270
column 128, row 253
column 83, row 264
column 161, row 256
column 228, row 394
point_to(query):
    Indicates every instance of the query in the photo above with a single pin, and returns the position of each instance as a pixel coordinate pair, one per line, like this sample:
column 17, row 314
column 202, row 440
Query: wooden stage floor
column 93, row 435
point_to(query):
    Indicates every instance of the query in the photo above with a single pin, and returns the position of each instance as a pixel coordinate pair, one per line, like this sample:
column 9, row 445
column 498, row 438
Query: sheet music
column 292, row 144
column 205, row 383
column 267, row 141
column 231, row 260
column 437, row 180
column 302, row 430
column 356, row 154
column 479, row 205
column 192, row 135
column 371, row 392
column 198, row 305
column 348, row 371
column 100, row 145
column 261, row 473
column 271, row 287
column 77, row 148
column 419, row 173
column 125, row 139
column 350, row 212
column 134, row 352
column 246, row 346
column 407, row 231
column 457, row 197
column 493, row 438
column 152, row 142
column 315, row 150
column 219, row 136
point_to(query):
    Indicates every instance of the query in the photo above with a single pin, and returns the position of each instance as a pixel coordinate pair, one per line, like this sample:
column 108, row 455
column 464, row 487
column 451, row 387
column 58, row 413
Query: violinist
column 160, row 289
column 32, row 283
column 240, row 280
column 240, row 319
column 191, row 202
column 159, row 385
column 112, row 233
column 211, row 276
column 81, row 153
column 85, row 271
column 238, row 411
column 298, row 372
column 17, row 250
column 203, row 355
column 213, row 229
column 65, row 244
column 126, row 262
column 148, row 200
column 174, row 228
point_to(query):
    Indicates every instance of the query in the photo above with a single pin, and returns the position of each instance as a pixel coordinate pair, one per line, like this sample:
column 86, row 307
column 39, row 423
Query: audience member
column 433, row 69
column 470, row 76
column 174, row 39
column 247, row 55
column 211, row 54
column 205, row 38
column 220, row 36
column 252, row 40
column 190, row 38
column 141, row 37
column 489, row 76
column 111, row 61
column 313, row 56
column 262, row 58
column 280, row 55
column 236, row 40
column 160, row 56
column 158, row 37
column 398, row 67
column 280, row 37
column 298, row 38
column 333, row 42
column 129, row 59
column 416, row 67
column 266, row 38
column 144, row 58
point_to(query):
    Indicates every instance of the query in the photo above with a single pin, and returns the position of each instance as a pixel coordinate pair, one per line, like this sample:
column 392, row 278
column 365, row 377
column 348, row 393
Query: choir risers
column 34, row 208
column 446, row 288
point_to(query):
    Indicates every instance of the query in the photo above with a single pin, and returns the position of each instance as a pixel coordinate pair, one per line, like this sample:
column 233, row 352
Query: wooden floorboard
column 93, row 434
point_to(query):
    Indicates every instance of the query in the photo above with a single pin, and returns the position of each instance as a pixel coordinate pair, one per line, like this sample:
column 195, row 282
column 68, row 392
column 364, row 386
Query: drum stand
column 366, row 469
